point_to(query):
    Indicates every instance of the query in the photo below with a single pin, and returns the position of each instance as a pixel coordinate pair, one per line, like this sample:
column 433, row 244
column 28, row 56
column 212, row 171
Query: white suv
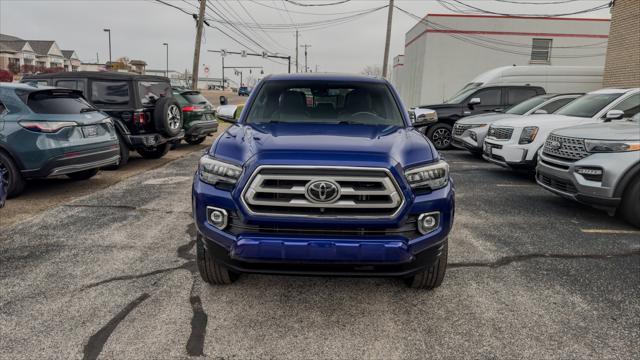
column 515, row 143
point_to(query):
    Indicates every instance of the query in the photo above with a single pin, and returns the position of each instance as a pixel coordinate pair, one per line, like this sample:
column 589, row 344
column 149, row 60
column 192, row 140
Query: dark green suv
column 198, row 115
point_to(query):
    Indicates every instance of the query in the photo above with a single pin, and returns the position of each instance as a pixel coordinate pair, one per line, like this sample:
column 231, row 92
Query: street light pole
column 108, row 31
column 167, row 71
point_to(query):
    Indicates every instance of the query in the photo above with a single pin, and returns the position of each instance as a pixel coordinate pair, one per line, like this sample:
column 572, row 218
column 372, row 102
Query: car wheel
column 154, row 152
column 210, row 270
column 124, row 154
column 15, row 181
column 630, row 207
column 440, row 136
column 195, row 140
column 83, row 175
column 168, row 116
column 431, row 277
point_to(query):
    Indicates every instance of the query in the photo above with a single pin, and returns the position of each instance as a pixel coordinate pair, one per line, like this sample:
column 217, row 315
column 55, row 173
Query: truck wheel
column 154, row 152
column 195, row 140
column 630, row 207
column 440, row 135
column 210, row 270
column 124, row 154
column 83, row 175
column 15, row 181
column 431, row 277
column 167, row 116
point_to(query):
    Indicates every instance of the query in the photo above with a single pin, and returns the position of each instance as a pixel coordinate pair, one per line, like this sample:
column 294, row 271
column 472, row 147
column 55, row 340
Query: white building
column 397, row 71
column 443, row 52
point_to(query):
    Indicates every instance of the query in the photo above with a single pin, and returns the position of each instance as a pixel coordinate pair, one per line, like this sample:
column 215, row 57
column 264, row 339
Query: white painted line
column 515, row 185
column 609, row 231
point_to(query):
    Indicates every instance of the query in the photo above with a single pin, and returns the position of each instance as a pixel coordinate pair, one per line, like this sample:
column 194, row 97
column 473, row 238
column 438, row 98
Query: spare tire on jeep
column 167, row 116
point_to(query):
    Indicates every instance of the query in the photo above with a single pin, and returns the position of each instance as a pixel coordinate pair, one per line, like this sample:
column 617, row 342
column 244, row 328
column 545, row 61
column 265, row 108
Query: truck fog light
column 217, row 217
column 428, row 222
column 592, row 174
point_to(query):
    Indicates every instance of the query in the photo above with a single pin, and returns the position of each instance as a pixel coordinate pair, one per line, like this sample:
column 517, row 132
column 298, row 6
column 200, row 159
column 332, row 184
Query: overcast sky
column 139, row 27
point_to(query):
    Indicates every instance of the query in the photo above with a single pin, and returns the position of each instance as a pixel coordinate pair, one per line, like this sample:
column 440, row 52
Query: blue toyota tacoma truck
column 323, row 175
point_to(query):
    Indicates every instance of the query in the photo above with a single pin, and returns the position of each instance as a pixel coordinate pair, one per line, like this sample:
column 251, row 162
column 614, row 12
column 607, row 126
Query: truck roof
column 325, row 77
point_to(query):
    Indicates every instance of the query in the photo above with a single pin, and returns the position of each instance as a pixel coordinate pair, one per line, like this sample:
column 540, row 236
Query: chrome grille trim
column 500, row 133
column 294, row 193
column 459, row 129
column 572, row 149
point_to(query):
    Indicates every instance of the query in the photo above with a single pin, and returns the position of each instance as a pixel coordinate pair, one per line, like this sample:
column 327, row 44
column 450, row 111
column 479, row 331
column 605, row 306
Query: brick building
column 622, row 66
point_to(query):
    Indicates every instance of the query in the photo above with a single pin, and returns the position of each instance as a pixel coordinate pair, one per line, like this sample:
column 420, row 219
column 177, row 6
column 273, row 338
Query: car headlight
column 473, row 126
column 213, row 171
column 433, row 176
column 528, row 135
column 611, row 146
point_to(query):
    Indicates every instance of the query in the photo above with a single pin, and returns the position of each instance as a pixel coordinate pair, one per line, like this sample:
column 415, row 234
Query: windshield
column 53, row 102
column 588, row 105
column 195, row 97
column 523, row 107
column 463, row 93
column 150, row 91
column 328, row 102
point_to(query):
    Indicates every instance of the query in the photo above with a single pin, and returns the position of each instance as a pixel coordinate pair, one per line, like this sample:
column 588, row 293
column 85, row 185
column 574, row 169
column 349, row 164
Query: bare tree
column 372, row 70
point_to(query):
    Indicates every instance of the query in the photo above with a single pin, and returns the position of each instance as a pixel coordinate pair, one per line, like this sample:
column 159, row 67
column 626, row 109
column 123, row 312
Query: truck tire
column 440, row 135
column 154, row 152
column 83, row 175
column 167, row 116
column 16, row 182
column 431, row 277
column 210, row 270
column 630, row 206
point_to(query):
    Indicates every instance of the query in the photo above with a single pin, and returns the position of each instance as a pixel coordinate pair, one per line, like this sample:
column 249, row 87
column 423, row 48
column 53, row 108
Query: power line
column 323, row 4
column 481, row 10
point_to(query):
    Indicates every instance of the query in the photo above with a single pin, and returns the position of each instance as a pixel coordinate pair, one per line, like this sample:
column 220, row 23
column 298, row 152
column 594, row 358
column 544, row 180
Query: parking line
column 515, row 185
column 609, row 231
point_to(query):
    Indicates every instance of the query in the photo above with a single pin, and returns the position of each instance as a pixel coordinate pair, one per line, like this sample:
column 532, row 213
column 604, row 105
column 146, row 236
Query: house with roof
column 71, row 60
column 16, row 53
column 25, row 56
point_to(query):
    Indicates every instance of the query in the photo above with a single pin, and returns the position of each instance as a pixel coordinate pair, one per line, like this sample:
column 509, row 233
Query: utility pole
column 297, row 51
column 305, row 46
column 196, row 53
column 109, row 32
column 385, row 63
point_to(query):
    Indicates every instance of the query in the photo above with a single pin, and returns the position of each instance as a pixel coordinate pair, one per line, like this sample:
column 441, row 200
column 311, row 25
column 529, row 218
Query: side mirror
column 474, row 101
column 227, row 113
column 223, row 100
column 540, row 111
column 423, row 117
column 614, row 115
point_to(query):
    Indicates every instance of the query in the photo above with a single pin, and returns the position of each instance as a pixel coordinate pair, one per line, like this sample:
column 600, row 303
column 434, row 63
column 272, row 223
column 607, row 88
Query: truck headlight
column 596, row 146
column 528, row 135
column 433, row 176
column 213, row 171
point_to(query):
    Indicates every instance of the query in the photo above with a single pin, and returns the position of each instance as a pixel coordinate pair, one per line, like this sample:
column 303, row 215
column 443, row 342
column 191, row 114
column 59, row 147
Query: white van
column 554, row 79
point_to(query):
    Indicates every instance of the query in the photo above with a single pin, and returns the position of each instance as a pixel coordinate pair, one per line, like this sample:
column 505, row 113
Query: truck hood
column 544, row 121
column 324, row 143
column 615, row 130
column 488, row 118
column 440, row 106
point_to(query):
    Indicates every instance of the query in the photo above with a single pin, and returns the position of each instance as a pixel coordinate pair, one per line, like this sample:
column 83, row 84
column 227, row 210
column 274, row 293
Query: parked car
column 147, row 118
column 596, row 164
column 198, row 116
column 345, row 186
column 474, row 101
column 46, row 131
column 243, row 91
column 515, row 143
column 469, row 132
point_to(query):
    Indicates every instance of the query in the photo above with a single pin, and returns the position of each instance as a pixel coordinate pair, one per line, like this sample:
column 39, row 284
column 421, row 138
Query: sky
column 140, row 27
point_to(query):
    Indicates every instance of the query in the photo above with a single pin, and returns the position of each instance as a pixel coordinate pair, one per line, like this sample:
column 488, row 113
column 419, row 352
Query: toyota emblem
column 322, row 191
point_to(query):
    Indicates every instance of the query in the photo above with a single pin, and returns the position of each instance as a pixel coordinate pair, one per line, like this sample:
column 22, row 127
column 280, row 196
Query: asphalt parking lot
column 111, row 274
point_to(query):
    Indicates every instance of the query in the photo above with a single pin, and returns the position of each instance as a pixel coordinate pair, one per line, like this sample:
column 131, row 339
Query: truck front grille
column 500, row 133
column 283, row 191
column 566, row 148
column 459, row 129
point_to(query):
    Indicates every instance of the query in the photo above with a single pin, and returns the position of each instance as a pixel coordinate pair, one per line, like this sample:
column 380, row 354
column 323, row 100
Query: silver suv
column 596, row 164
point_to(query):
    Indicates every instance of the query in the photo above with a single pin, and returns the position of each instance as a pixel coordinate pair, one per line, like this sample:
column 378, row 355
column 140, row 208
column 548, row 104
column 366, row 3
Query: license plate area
column 90, row 131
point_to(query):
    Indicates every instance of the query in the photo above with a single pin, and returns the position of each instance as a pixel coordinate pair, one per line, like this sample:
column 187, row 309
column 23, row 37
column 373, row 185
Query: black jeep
column 145, row 114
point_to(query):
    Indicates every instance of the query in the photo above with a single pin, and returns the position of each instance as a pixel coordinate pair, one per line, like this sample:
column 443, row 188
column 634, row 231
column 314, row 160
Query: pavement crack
column 507, row 260
column 186, row 266
column 126, row 207
column 96, row 342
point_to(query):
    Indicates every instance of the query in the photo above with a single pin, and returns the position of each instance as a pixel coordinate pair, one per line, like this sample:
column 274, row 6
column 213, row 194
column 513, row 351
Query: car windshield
column 328, row 102
column 194, row 97
column 463, row 93
column 525, row 106
column 151, row 91
column 58, row 102
column 588, row 105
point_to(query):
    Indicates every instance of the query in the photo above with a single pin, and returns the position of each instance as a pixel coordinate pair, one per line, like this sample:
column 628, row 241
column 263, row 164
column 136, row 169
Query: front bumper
column 471, row 140
column 149, row 140
column 76, row 161
column 561, row 178
column 508, row 155
column 299, row 246
column 201, row 128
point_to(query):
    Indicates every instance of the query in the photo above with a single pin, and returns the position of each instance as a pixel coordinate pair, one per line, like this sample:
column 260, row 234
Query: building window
column 541, row 51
